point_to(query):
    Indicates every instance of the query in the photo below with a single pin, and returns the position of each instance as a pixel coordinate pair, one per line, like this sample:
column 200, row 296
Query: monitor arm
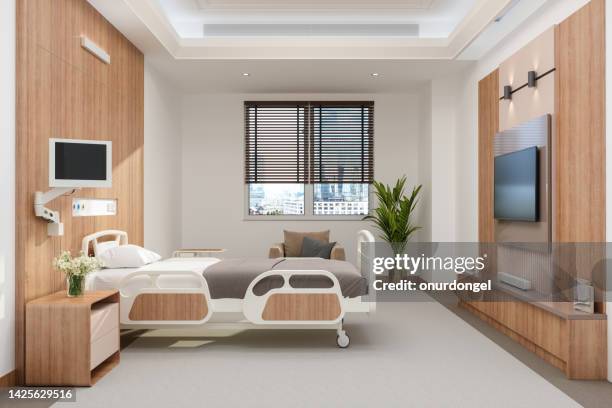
column 55, row 227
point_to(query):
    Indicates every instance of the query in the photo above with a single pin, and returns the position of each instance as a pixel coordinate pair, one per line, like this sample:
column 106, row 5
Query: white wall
column 443, row 159
column 7, row 187
column 609, row 169
column 466, row 161
column 162, row 167
column 423, row 211
column 213, row 162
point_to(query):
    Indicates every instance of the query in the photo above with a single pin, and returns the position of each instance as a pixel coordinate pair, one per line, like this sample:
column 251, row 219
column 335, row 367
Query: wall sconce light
column 95, row 49
column 508, row 92
column 532, row 79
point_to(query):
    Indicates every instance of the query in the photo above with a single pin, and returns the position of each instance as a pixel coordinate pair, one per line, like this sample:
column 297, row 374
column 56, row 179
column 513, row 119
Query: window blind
column 309, row 142
column 343, row 142
column 275, row 146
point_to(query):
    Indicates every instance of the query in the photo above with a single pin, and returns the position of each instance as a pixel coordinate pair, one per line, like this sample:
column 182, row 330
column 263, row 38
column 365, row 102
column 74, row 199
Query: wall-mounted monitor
column 80, row 163
column 516, row 185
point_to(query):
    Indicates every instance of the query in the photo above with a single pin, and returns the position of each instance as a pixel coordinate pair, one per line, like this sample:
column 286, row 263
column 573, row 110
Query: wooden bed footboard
column 165, row 306
column 287, row 304
column 303, row 306
column 169, row 306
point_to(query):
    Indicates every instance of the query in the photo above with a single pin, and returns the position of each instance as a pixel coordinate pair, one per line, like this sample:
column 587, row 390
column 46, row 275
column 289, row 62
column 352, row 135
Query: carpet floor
column 417, row 354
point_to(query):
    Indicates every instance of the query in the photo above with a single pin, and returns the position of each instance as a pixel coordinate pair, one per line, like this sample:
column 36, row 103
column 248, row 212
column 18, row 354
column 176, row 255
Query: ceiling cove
column 312, row 4
column 332, row 43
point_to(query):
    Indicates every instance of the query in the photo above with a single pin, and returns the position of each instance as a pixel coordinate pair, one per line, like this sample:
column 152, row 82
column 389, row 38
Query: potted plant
column 75, row 269
column 393, row 217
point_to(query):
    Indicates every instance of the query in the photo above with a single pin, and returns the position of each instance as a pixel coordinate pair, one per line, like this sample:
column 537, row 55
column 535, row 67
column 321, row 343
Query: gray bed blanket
column 230, row 278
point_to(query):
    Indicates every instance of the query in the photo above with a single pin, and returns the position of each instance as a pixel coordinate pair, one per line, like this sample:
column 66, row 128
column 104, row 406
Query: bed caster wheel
column 343, row 340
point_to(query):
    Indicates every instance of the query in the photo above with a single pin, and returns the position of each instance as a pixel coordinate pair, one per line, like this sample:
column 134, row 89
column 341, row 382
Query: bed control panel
column 87, row 207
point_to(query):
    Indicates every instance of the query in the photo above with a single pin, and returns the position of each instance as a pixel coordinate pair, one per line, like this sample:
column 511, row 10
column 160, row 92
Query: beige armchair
column 292, row 246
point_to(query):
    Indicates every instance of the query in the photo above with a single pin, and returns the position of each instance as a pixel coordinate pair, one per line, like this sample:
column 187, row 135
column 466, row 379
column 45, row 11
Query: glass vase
column 76, row 285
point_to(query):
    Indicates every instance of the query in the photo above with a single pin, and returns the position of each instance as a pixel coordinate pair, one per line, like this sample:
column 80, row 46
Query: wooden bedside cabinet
column 72, row 341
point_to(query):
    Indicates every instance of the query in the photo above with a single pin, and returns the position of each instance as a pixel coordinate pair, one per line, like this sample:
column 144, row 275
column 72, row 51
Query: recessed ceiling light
column 245, row 74
column 375, row 74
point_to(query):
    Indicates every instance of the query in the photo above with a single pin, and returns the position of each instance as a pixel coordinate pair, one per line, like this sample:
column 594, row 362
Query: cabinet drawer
column 104, row 318
column 103, row 348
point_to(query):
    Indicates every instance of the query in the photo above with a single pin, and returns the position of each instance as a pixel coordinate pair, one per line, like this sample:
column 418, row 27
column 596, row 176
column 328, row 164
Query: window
column 341, row 199
column 308, row 158
column 276, row 199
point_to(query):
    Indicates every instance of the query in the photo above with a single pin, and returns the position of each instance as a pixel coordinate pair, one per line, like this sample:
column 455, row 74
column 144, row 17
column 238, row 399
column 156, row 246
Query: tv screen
column 80, row 163
column 516, row 185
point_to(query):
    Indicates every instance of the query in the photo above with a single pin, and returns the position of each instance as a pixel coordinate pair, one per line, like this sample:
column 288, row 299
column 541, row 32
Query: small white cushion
column 128, row 256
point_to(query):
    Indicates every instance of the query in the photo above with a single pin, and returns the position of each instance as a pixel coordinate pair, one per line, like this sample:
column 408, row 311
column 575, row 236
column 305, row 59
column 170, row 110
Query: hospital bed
column 187, row 292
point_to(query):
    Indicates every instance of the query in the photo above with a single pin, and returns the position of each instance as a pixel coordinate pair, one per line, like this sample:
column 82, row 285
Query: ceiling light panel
column 313, row 4
column 311, row 30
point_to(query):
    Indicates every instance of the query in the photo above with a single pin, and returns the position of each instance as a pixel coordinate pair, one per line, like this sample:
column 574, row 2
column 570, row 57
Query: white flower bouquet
column 76, row 269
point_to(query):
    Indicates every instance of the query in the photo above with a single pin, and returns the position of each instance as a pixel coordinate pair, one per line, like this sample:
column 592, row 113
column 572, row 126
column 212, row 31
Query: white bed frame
column 306, row 308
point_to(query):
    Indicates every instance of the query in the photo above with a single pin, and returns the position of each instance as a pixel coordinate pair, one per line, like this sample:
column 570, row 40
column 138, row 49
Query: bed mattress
column 230, row 278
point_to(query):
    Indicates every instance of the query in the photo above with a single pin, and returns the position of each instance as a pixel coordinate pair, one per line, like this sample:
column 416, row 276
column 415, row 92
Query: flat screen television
column 80, row 163
column 516, row 185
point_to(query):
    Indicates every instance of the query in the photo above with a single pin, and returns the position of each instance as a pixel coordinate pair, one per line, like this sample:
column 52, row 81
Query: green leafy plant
column 393, row 217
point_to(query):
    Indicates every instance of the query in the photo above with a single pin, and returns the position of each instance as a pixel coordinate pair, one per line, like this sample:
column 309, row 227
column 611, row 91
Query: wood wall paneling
column 580, row 153
column 578, row 177
column 64, row 91
column 488, row 124
column 574, row 346
column 587, row 350
column 8, row 380
column 486, row 312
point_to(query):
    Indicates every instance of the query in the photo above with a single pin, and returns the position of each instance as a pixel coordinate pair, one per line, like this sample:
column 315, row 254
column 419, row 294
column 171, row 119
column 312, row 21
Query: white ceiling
column 301, row 76
column 284, row 65
column 436, row 18
column 310, row 5
column 495, row 32
column 447, row 27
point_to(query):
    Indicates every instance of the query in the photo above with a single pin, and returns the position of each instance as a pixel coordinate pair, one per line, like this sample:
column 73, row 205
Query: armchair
column 292, row 246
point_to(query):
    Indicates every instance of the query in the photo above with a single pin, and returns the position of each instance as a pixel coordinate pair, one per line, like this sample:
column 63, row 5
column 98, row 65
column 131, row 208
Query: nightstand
column 72, row 341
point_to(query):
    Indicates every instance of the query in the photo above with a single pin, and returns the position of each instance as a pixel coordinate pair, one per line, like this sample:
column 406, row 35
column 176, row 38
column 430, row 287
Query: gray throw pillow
column 313, row 248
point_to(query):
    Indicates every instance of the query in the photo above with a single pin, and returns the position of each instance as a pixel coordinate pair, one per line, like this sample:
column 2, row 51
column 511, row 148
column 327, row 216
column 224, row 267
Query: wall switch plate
column 87, row 207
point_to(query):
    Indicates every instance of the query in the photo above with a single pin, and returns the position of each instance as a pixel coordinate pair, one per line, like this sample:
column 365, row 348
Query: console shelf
column 570, row 340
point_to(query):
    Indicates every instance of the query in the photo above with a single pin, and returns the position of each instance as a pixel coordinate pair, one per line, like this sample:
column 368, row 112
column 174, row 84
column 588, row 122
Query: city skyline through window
column 290, row 199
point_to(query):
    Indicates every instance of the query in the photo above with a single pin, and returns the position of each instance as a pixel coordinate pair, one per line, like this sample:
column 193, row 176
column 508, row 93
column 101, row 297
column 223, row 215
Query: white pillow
column 128, row 256
column 105, row 246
